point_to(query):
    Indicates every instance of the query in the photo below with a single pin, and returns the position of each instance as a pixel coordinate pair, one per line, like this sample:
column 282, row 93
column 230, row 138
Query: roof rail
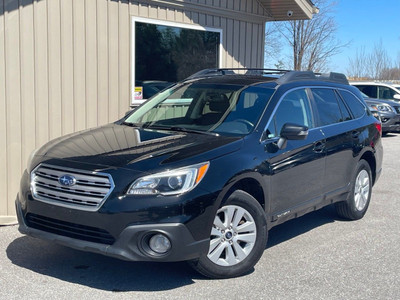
column 334, row 77
column 231, row 71
column 210, row 72
column 309, row 75
column 295, row 76
column 286, row 76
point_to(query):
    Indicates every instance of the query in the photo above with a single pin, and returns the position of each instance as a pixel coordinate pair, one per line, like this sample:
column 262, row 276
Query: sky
column 364, row 23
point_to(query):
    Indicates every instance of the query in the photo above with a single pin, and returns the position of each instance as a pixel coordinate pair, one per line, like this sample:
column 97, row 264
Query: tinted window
column 250, row 105
column 356, row 107
column 327, row 106
column 385, row 93
column 344, row 110
column 369, row 90
column 294, row 108
column 172, row 53
column 220, row 108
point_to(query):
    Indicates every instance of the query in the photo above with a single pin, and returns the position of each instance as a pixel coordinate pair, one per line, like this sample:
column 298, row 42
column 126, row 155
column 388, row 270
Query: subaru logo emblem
column 67, row 180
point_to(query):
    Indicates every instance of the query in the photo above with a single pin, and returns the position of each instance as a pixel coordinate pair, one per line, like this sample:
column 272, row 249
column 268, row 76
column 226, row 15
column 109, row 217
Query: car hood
column 377, row 101
column 121, row 146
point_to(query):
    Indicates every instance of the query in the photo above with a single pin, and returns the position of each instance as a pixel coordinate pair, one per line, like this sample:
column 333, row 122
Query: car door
column 341, row 135
column 296, row 172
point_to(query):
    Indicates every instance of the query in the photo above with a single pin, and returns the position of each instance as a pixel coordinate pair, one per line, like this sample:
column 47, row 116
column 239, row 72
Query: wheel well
column 250, row 186
column 369, row 157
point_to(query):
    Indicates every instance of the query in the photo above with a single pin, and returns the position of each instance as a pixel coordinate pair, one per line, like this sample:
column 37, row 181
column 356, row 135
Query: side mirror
column 396, row 97
column 291, row 131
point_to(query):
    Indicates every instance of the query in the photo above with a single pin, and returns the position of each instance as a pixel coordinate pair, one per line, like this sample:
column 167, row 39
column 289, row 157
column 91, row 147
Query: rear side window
column 370, row 90
column 355, row 105
column 293, row 108
column 327, row 106
column 385, row 93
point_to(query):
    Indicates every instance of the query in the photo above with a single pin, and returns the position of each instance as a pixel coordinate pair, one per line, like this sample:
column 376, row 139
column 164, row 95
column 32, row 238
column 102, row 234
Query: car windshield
column 204, row 108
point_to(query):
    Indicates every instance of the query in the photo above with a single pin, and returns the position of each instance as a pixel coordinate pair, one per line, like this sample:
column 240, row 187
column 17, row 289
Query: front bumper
column 121, row 230
column 129, row 246
column 390, row 123
column 130, row 243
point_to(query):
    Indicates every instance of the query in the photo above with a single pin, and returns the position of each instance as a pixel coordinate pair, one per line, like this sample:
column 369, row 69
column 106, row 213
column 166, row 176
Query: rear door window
column 327, row 106
column 344, row 110
column 370, row 90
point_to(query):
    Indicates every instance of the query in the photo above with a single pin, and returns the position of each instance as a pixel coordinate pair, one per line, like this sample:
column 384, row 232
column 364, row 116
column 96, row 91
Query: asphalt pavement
column 317, row 256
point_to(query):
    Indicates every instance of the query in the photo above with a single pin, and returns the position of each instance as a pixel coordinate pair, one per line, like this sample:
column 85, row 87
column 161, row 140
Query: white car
column 396, row 85
column 378, row 90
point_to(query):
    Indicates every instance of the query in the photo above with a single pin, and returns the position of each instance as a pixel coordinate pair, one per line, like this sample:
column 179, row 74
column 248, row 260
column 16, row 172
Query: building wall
column 65, row 65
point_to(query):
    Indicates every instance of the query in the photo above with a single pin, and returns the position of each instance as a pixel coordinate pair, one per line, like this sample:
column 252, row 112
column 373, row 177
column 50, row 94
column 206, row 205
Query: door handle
column 319, row 147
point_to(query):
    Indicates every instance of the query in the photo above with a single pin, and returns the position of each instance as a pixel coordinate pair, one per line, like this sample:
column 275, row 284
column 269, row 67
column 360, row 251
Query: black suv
column 201, row 171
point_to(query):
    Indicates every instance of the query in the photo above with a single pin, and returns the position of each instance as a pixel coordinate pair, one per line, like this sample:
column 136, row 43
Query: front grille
column 88, row 192
column 71, row 230
column 397, row 108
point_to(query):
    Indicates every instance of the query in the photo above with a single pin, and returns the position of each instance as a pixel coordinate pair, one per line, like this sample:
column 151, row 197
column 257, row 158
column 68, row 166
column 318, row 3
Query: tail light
column 378, row 126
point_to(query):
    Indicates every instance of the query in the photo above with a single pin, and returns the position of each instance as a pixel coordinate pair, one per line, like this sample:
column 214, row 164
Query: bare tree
column 390, row 74
column 273, row 45
column 358, row 65
column 398, row 60
column 374, row 65
column 378, row 61
column 313, row 42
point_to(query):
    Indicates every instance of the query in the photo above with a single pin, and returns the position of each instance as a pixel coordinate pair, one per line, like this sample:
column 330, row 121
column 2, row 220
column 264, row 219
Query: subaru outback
column 201, row 171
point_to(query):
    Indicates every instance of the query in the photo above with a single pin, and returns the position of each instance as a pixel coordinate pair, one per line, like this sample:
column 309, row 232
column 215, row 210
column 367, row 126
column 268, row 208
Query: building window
column 166, row 52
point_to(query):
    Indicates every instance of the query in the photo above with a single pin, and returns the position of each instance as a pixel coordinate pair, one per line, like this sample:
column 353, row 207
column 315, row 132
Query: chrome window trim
column 312, row 108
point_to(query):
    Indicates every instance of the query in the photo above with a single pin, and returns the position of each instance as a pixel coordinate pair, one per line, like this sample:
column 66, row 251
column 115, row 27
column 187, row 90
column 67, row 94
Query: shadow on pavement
column 109, row 274
column 97, row 271
column 296, row 227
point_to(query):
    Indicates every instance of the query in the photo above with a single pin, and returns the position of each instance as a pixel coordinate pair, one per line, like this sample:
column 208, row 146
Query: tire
column 360, row 195
column 236, row 244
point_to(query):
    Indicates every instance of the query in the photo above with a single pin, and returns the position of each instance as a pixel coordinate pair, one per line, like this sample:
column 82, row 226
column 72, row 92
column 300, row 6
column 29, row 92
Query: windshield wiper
column 174, row 128
column 181, row 129
column 131, row 124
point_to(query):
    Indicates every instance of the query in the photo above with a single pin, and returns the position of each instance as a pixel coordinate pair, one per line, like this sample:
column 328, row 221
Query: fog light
column 159, row 243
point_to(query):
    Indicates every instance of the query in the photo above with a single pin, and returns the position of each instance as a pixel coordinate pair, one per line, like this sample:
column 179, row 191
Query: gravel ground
column 317, row 256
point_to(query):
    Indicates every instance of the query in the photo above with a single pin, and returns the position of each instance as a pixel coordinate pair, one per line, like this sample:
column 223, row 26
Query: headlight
column 171, row 182
column 384, row 107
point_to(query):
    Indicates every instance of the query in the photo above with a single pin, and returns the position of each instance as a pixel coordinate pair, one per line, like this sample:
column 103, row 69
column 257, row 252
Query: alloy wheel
column 233, row 236
column 361, row 190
